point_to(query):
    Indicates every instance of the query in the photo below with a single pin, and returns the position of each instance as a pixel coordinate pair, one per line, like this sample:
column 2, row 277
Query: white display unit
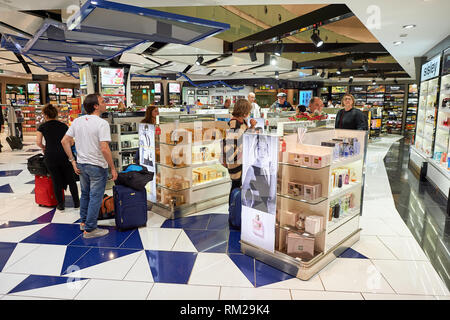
column 337, row 231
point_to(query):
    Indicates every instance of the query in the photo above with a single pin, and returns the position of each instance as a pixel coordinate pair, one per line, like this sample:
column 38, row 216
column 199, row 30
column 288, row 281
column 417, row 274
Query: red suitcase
column 43, row 191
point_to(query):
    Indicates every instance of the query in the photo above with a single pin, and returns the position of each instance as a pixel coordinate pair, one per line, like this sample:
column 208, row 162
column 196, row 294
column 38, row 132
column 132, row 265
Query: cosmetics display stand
column 319, row 197
column 124, row 136
column 189, row 174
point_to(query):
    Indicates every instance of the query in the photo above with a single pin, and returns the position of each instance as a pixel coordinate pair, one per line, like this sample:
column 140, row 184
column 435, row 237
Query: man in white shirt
column 256, row 110
column 92, row 135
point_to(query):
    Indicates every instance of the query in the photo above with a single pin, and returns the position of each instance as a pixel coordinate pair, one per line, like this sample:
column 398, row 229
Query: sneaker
column 82, row 226
column 95, row 233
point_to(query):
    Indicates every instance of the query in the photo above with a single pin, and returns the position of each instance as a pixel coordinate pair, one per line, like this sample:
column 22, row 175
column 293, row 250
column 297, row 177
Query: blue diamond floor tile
column 133, row 241
column 73, row 254
column 12, row 224
column 266, row 274
column 195, row 222
column 6, row 189
column 6, row 249
column 246, row 264
column 96, row 256
column 234, row 246
column 350, row 253
column 36, row 282
column 32, row 192
column 10, row 173
column 171, row 267
column 114, row 239
column 218, row 222
column 209, row 241
column 30, row 182
column 55, row 233
column 45, row 218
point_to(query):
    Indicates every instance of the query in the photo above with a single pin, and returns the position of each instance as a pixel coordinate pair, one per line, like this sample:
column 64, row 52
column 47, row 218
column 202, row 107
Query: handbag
column 36, row 165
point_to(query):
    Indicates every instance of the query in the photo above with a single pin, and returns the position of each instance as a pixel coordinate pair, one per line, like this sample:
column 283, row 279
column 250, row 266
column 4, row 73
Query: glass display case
column 189, row 173
column 319, row 196
column 441, row 146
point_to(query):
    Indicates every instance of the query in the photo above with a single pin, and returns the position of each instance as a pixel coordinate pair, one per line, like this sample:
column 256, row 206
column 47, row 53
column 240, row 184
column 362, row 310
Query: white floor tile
column 20, row 251
column 159, row 239
column 114, row 290
column 412, row 277
column 140, row 271
column 67, row 216
column 184, row 244
column 9, row 281
column 404, row 248
column 169, row 291
column 115, row 269
column 377, row 296
column 442, row 297
column 398, row 226
column 372, row 248
column 324, row 295
column 353, row 275
column 228, row 293
column 154, row 220
column 25, row 214
column 17, row 234
column 312, row 284
column 375, row 227
column 61, row 291
column 218, row 270
column 13, row 297
column 45, row 260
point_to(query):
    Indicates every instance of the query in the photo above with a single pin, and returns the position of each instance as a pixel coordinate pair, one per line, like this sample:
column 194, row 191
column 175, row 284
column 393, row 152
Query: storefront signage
column 357, row 89
column 431, row 68
column 446, row 62
column 147, row 156
column 259, row 190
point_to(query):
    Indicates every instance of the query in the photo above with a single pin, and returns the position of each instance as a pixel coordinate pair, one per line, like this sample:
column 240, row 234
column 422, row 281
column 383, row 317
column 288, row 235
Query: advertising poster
column 33, row 88
column 305, row 96
column 147, row 156
column 259, row 190
column 112, row 77
column 83, row 77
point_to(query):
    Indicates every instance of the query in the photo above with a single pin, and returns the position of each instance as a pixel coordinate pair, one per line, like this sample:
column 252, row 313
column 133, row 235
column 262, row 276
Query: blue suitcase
column 130, row 207
column 234, row 209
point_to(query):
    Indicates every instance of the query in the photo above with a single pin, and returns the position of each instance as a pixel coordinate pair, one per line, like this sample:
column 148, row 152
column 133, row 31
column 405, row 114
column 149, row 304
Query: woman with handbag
column 58, row 165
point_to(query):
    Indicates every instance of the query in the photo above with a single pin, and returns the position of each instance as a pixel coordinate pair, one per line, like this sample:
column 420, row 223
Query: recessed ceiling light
column 396, row 43
column 409, row 26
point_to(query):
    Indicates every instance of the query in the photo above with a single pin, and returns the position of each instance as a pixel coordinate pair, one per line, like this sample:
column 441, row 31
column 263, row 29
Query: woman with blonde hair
column 349, row 117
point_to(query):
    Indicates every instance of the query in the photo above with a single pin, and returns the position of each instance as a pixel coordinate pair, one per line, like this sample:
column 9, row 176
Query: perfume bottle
column 340, row 181
column 347, row 178
column 336, row 210
column 352, row 201
column 346, row 150
column 258, row 227
column 356, row 146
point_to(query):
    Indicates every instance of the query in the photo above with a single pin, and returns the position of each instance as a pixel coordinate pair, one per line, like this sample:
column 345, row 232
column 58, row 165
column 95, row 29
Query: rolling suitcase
column 130, row 207
column 14, row 142
column 43, row 191
column 234, row 209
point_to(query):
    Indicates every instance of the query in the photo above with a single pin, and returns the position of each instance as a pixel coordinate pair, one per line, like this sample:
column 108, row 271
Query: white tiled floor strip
column 397, row 268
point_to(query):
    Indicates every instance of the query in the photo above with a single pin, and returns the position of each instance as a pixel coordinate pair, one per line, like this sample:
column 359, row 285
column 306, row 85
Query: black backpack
column 134, row 179
column 36, row 165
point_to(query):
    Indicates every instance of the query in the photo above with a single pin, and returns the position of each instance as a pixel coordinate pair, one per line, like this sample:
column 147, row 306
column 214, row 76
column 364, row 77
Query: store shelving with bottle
column 319, row 200
column 394, row 102
column 189, row 174
column 16, row 95
column 360, row 94
column 337, row 92
column 441, row 146
column 411, row 110
column 426, row 117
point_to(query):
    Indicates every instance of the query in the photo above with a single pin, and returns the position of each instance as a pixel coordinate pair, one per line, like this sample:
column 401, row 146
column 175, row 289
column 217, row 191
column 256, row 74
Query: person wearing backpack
column 232, row 148
column 55, row 159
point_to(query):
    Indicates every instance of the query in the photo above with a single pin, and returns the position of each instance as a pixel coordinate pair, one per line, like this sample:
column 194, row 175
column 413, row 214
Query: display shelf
column 346, row 161
column 300, row 166
column 337, row 222
column 345, row 189
column 302, row 199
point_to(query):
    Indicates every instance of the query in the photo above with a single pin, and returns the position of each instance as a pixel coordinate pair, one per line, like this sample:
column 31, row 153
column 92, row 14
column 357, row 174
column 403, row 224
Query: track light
column 339, row 71
column 279, row 48
column 374, row 82
column 395, row 81
column 316, row 39
column 199, row 60
column 253, row 54
column 276, row 75
column 273, row 60
column 322, row 75
column 350, row 80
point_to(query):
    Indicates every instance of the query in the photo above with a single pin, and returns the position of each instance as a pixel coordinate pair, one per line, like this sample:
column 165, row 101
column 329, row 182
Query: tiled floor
column 42, row 255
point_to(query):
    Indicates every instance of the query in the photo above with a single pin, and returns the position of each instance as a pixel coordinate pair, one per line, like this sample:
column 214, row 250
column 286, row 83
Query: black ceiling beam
column 306, row 20
column 340, row 61
column 23, row 62
column 369, row 73
column 44, row 14
column 326, row 47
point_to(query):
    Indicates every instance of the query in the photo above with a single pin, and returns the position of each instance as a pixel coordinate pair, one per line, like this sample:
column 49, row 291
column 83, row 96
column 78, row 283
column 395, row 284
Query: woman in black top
column 58, row 165
column 350, row 117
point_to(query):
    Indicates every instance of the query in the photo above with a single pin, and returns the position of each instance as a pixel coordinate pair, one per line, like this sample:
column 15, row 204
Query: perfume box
column 313, row 224
column 307, row 160
column 290, row 218
column 312, row 192
column 320, row 161
column 295, row 158
column 300, row 245
column 295, row 189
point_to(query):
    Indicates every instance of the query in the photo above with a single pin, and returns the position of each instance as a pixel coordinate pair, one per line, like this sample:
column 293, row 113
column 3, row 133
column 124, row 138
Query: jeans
column 93, row 182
